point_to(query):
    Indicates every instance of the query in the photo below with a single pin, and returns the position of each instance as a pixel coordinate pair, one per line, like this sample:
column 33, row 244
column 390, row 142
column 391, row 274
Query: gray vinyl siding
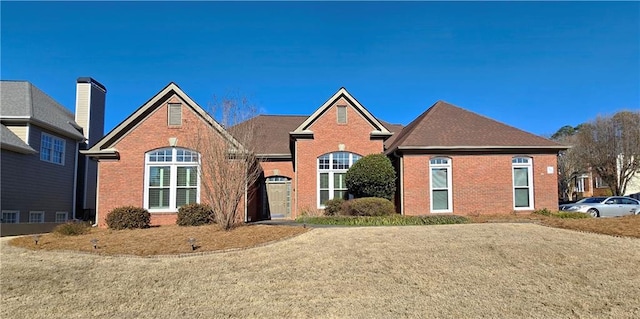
column 29, row 184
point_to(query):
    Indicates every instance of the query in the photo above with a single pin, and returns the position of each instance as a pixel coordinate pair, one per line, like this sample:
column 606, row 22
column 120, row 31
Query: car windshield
column 592, row 200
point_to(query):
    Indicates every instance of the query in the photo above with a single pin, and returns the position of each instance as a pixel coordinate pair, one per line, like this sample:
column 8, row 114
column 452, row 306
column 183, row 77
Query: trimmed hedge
column 195, row 215
column 368, row 206
column 391, row 220
column 128, row 217
column 372, row 176
column 72, row 228
column 333, row 207
column 563, row 215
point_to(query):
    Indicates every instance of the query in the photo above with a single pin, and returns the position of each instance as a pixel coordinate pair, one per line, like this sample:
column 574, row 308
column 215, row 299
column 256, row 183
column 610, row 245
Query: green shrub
column 543, row 212
column 390, row 220
column 333, row 207
column 571, row 215
column 195, row 215
column 72, row 228
column 372, row 176
column 128, row 217
column 368, row 206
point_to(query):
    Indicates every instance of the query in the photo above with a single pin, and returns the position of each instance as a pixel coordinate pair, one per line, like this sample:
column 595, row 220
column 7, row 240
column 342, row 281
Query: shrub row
column 130, row 217
column 564, row 215
column 390, row 220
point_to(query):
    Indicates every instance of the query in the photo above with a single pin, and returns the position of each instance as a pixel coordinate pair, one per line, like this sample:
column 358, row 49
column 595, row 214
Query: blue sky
column 534, row 65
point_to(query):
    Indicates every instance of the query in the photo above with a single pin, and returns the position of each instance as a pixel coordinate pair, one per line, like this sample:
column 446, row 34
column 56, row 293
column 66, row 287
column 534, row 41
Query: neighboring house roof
column 447, row 127
column 378, row 128
column 10, row 141
column 105, row 147
column 22, row 102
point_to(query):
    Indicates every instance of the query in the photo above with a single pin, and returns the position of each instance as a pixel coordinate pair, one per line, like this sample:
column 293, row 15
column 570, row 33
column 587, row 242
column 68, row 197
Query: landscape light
column 94, row 242
column 36, row 238
column 192, row 242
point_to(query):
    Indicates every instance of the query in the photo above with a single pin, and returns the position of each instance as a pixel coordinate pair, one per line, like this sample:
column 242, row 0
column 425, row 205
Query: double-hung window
column 10, row 216
column 522, row 183
column 52, row 149
column 36, row 217
column 61, row 217
column 441, row 199
column 171, row 179
column 332, row 169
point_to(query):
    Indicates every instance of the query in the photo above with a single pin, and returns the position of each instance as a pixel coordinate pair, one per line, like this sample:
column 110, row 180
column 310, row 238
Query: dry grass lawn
column 491, row 270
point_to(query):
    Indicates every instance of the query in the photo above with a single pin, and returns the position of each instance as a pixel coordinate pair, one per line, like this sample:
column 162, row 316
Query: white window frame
column 36, row 217
column 64, row 219
column 173, row 165
column 17, row 216
column 333, row 168
column 599, row 182
column 522, row 162
column 441, row 163
column 49, row 154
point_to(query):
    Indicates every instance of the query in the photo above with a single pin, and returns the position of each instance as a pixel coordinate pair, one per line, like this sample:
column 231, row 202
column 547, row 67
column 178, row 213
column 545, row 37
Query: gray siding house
column 44, row 180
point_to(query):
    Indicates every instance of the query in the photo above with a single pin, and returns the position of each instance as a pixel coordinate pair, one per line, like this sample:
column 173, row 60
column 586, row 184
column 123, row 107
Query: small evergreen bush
column 195, row 215
column 543, row 212
column 571, row 215
column 389, row 220
column 333, row 207
column 72, row 228
column 372, row 176
column 128, row 217
column 368, row 206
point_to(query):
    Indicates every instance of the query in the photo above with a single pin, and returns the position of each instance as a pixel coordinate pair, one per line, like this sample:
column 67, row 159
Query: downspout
column 401, row 181
column 294, row 157
column 75, row 180
column 246, row 201
column 97, row 192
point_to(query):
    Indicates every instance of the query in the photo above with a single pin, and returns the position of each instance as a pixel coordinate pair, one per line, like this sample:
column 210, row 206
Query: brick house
column 448, row 160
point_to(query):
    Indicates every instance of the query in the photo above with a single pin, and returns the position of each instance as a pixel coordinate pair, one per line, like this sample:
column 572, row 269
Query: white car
column 604, row 206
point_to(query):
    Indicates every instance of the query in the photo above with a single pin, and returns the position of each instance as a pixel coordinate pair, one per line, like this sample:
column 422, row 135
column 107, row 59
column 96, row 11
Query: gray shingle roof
column 10, row 141
column 21, row 101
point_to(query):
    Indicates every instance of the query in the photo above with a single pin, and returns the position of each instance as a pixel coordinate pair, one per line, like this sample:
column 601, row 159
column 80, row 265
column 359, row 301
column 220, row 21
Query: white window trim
column 173, row 164
column 331, row 173
column 66, row 217
column 35, row 213
column 17, row 212
column 53, row 140
column 529, row 166
column 449, row 185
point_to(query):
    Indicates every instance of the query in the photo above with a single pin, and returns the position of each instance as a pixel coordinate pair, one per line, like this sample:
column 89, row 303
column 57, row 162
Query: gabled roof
column 10, row 141
column 447, row 127
column 272, row 131
column 22, row 102
column 378, row 128
column 105, row 147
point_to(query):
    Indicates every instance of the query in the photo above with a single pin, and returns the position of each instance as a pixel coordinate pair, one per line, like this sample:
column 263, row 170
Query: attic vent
column 342, row 114
column 175, row 114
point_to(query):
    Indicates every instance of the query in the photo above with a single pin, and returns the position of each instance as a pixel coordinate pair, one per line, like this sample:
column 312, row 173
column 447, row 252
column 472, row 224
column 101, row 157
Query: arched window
column 522, row 183
column 171, row 179
column 332, row 169
column 440, row 185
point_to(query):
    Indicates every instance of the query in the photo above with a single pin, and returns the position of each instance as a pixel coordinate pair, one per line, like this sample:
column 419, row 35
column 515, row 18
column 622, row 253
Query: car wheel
column 593, row 212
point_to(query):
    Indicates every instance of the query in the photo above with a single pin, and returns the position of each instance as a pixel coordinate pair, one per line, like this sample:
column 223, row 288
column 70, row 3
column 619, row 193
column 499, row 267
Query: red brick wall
column 122, row 182
column 481, row 184
column 328, row 135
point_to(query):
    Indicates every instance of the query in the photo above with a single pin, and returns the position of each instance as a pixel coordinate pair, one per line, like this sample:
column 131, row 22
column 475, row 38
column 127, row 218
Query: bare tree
column 229, row 167
column 569, row 167
column 610, row 146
